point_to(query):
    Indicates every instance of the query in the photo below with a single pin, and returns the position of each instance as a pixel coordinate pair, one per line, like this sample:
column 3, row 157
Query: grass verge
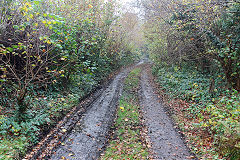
column 127, row 142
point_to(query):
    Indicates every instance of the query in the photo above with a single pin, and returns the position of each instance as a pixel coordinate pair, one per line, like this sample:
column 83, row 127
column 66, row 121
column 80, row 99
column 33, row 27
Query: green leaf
column 14, row 46
column 10, row 49
column 2, row 80
column 16, row 27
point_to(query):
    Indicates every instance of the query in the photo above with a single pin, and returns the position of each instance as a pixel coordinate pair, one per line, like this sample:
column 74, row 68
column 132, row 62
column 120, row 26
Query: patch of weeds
column 209, row 120
column 13, row 148
column 128, row 143
column 15, row 137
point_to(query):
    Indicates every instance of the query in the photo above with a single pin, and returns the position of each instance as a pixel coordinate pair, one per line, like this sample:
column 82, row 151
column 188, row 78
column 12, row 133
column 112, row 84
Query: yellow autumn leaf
column 70, row 154
column 28, row 4
column 48, row 42
column 210, row 121
column 205, row 125
column 90, row 6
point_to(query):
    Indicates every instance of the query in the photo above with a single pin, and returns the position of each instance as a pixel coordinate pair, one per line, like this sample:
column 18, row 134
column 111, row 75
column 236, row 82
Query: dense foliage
column 201, row 33
column 52, row 53
column 195, row 47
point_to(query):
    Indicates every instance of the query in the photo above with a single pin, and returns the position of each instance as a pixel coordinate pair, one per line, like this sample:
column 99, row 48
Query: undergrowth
column 53, row 53
column 127, row 142
column 46, row 108
column 208, row 117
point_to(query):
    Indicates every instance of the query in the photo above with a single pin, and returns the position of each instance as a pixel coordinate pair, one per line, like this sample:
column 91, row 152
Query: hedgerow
column 52, row 53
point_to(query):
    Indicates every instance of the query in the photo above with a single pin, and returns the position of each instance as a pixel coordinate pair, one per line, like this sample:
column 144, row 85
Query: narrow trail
column 166, row 142
column 90, row 134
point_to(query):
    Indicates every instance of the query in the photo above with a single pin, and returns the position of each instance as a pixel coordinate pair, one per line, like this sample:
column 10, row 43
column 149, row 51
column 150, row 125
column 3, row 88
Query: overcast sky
column 125, row 1
column 127, row 5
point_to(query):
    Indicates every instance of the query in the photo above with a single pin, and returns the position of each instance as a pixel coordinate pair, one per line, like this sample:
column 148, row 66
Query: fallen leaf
column 70, row 154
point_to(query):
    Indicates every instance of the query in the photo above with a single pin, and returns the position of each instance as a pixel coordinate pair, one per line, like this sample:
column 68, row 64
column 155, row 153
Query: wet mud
column 83, row 134
column 90, row 134
column 166, row 142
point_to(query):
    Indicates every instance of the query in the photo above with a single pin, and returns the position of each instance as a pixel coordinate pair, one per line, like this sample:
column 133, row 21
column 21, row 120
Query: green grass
column 128, row 143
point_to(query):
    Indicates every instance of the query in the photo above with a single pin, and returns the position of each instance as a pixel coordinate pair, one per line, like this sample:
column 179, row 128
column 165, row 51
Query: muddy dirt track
column 166, row 142
column 88, row 136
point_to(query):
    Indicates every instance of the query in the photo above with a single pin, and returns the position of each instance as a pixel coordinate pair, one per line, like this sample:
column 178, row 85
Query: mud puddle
column 166, row 142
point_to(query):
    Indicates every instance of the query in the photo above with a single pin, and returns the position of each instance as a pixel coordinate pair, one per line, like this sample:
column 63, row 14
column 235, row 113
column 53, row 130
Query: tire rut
column 90, row 134
column 166, row 142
